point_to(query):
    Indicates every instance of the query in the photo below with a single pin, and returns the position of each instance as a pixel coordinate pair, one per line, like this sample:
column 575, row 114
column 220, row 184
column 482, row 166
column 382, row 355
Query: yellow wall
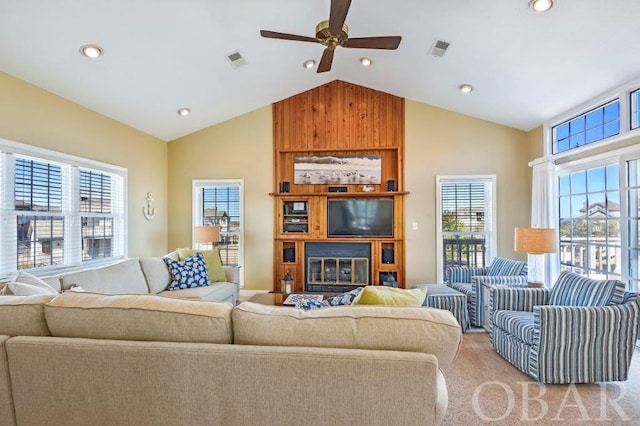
column 440, row 142
column 36, row 117
column 240, row 148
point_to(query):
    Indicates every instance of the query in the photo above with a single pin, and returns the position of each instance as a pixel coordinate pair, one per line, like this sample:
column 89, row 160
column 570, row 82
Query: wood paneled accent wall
column 337, row 118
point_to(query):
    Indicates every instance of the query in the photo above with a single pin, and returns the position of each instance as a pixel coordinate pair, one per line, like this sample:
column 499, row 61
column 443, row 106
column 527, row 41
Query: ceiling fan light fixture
column 465, row 88
column 540, row 6
column 309, row 64
column 91, row 51
column 184, row 111
column 366, row 62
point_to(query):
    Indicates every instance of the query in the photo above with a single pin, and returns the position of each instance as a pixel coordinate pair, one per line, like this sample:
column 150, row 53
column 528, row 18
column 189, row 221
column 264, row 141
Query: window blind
column 221, row 207
column 466, row 222
column 56, row 214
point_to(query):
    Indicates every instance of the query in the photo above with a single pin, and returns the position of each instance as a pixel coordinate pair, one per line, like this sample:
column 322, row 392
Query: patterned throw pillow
column 188, row 273
column 337, row 300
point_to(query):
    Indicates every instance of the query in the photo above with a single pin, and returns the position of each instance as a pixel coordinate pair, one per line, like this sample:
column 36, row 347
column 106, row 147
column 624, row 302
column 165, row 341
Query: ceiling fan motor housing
column 329, row 40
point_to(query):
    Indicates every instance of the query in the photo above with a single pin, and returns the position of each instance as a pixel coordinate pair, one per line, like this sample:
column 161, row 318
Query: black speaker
column 289, row 254
column 337, row 189
column 285, row 187
column 391, row 185
column 388, row 256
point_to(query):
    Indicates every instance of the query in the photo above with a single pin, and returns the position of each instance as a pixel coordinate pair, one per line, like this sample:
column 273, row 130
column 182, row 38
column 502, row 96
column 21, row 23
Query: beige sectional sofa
column 84, row 358
column 146, row 275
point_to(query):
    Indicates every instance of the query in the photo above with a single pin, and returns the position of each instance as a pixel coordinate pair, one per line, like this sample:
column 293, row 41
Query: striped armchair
column 581, row 331
column 470, row 280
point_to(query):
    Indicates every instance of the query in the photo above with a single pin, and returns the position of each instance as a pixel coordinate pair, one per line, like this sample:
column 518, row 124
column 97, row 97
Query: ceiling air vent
column 236, row 59
column 439, row 48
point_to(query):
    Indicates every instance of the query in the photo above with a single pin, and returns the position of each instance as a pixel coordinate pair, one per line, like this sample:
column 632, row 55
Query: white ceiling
column 161, row 55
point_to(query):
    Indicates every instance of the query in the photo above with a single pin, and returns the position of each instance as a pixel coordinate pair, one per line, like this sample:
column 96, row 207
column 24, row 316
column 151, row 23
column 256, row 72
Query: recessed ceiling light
column 540, row 6
column 184, row 111
column 466, row 88
column 366, row 62
column 91, row 51
column 309, row 64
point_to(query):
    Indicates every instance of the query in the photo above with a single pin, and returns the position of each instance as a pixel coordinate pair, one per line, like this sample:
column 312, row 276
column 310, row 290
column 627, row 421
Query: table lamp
column 536, row 242
column 206, row 234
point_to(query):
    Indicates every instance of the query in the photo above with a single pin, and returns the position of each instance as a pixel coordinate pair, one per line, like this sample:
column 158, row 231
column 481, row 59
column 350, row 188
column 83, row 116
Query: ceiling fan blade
column 337, row 15
column 391, row 42
column 284, row 36
column 325, row 62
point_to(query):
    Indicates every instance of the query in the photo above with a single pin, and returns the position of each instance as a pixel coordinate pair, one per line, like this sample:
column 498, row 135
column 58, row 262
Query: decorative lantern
column 286, row 284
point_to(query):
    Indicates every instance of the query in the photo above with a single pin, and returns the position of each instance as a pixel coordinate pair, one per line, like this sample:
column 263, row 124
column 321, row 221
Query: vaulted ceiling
column 161, row 55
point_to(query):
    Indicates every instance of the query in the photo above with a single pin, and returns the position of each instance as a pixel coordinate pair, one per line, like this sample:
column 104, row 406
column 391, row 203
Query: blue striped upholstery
column 443, row 297
column 463, row 275
column 517, row 324
column 572, row 289
column 502, row 266
column 512, row 349
column 513, row 298
column 469, row 281
column 567, row 344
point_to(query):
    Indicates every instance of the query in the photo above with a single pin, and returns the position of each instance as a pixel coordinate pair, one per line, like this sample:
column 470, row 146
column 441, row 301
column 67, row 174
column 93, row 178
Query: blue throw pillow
column 188, row 273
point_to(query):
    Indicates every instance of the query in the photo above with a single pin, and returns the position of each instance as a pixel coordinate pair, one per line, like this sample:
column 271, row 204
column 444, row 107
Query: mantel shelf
column 357, row 194
column 341, row 149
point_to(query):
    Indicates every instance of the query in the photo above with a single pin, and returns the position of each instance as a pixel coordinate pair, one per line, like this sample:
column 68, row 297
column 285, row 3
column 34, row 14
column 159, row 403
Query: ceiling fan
column 334, row 33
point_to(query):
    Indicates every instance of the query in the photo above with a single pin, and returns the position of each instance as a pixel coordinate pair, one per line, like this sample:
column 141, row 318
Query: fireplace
column 337, row 267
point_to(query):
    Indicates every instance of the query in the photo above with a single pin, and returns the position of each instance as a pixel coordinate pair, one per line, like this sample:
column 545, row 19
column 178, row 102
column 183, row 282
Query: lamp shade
column 206, row 234
column 536, row 240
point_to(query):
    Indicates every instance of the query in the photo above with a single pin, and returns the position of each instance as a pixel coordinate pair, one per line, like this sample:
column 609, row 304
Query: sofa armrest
column 580, row 344
column 462, row 275
column 232, row 273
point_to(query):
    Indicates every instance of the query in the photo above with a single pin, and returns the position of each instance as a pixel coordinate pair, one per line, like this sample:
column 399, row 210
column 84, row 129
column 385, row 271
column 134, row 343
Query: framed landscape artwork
column 337, row 169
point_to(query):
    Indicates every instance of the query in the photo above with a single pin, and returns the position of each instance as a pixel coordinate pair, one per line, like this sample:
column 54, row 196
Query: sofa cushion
column 23, row 289
column 211, row 258
column 188, row 273
column 210, row 292
column 572, row 289
column 426, row 330
column 501, row 267
column 138, row 317
column 156, row 273
column 24, row 315
column 118, row 278
column 389, row 296
column 517, row 323
column 25, row 284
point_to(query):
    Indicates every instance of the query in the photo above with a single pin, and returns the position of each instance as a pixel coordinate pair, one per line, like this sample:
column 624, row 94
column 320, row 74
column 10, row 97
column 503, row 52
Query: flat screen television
column 365, row 217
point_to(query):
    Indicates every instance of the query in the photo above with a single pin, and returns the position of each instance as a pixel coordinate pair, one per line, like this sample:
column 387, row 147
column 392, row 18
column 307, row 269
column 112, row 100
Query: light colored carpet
column 486, row 389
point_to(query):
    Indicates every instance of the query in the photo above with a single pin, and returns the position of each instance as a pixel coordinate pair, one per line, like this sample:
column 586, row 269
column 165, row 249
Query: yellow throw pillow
column 212, row 260
column 389, row 296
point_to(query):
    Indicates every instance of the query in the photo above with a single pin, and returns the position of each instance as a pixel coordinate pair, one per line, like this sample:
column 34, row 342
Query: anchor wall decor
column 149, row 212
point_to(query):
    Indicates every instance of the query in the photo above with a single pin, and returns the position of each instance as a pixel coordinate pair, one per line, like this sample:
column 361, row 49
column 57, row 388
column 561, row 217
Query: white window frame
column 70, row 209
column 619, row 156
column 197, row 216
column 490, row 219
column 623, row 93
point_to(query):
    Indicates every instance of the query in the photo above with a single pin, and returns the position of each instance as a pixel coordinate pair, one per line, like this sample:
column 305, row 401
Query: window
column 591, row 126
column 58, row 211
column 590, row 227
column 219, row 202
column 635, row 109
column 633, row 220
column 466, row 216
